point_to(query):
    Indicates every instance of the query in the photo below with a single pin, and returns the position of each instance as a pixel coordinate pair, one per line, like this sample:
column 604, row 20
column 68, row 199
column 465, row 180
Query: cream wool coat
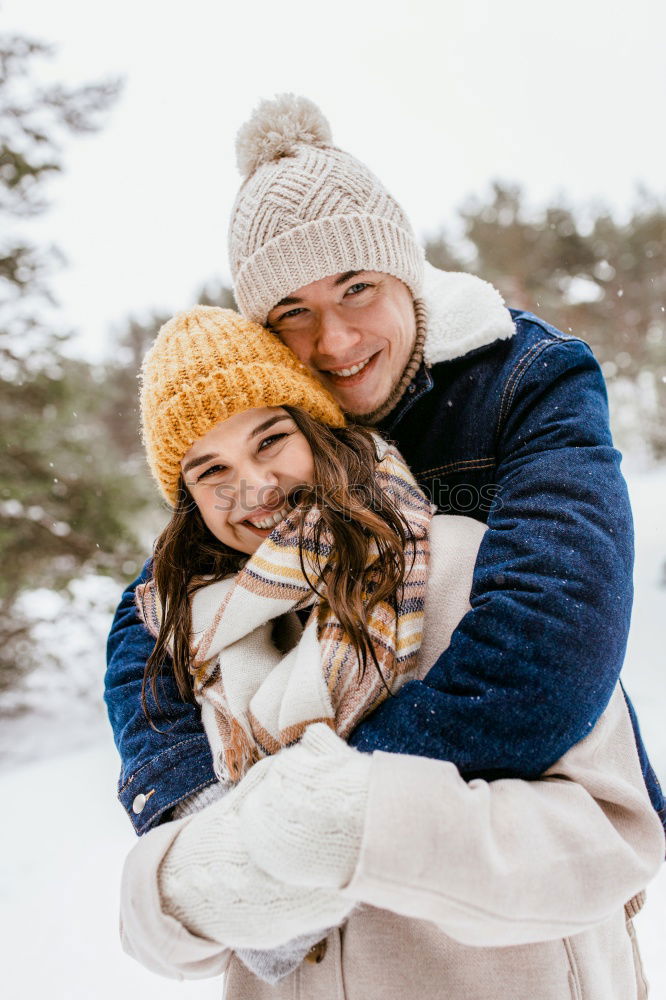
column 510, row 890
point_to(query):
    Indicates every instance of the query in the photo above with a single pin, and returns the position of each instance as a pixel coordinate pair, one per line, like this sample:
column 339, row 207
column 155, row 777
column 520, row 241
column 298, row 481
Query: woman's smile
column 264, row 521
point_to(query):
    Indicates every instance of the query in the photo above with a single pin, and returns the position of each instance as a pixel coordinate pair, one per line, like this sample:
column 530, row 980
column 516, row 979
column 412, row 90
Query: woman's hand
column 303, row 822
column 210, row 884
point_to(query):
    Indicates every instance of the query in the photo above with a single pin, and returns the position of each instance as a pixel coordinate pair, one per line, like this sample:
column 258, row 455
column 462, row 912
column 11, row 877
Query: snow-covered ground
column 64, row 836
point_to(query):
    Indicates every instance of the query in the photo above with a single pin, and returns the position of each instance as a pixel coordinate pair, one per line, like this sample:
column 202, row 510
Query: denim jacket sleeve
column 158, row 769
column 532, row 665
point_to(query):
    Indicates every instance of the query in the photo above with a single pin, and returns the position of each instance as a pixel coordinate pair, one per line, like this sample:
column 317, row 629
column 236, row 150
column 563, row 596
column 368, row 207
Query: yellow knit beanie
column 206, row 365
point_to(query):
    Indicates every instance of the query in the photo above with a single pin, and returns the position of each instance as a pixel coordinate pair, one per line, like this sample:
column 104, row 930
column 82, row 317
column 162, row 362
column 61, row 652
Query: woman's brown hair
column 355, row 512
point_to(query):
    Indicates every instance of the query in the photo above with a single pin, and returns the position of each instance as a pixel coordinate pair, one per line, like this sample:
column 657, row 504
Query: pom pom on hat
column 277, row 128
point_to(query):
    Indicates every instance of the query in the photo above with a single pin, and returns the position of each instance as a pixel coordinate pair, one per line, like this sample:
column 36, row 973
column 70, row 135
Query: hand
column 303, row 823
column 209, row 882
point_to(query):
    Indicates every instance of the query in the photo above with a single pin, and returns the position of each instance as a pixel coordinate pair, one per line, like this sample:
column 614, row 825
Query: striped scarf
column 255, row 699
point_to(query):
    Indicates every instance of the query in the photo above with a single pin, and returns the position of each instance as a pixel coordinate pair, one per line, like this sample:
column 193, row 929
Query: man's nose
column 335, row 337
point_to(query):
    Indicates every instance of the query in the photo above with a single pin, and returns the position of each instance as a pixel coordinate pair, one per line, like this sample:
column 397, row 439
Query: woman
column 508, row 889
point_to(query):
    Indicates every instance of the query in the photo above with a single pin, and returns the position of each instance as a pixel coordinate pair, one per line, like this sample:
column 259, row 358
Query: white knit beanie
column 308, row 210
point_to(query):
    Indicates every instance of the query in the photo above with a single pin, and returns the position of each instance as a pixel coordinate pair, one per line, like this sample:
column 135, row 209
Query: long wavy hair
column 354, row 513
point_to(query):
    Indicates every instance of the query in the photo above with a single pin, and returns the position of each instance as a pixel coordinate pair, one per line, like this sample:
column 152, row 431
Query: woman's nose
column 257, row 488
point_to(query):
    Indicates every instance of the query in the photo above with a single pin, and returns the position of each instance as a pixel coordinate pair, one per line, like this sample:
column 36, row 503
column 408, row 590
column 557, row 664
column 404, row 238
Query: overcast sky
column 437, row 97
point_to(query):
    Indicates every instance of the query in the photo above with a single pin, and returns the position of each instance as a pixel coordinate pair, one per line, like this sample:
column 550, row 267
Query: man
column 500, row 417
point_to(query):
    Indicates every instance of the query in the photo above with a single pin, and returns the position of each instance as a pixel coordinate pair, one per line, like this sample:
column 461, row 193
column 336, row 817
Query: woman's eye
column 271, row 439
column 211, row 471
column 357, row 287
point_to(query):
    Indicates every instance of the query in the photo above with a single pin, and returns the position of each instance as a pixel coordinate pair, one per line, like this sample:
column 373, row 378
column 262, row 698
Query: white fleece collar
column 464, row 312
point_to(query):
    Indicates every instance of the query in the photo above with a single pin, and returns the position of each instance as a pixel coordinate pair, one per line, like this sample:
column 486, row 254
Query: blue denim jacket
column 515, row 434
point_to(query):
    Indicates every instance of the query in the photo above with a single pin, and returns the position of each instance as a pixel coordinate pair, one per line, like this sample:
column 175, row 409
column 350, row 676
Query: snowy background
column 441, row 99
column 438, row 97
column 65, row 835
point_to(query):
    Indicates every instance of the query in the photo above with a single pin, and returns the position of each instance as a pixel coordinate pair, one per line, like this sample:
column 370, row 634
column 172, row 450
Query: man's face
column 355, row 331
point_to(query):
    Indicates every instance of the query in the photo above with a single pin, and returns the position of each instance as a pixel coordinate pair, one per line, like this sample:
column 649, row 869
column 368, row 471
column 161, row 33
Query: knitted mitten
column 304, row 823
column 268, row 964
column 209, row 883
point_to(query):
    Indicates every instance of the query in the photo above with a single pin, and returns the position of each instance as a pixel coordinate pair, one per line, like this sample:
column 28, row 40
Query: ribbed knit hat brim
column 322, row 247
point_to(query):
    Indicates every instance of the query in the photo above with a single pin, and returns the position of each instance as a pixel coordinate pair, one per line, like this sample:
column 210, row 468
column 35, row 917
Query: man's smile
column 351, row 374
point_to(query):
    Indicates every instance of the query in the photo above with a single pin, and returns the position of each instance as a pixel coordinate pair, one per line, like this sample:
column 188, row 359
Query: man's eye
column 290, row 314
column 357, row 287
column 271, row 439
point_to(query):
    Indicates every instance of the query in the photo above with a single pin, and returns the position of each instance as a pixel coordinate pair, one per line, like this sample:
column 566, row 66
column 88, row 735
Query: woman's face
column 242, row 471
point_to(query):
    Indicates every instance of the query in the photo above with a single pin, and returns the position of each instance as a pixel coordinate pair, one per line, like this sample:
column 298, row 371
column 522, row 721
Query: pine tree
column 64, row 506
column 586, row 273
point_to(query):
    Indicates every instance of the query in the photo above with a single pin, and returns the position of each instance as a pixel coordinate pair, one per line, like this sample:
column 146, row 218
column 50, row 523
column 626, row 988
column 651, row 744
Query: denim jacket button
column 139, row 803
